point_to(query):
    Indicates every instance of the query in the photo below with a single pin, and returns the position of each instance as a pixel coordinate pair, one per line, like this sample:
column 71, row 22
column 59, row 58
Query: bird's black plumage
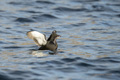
column 51, row 43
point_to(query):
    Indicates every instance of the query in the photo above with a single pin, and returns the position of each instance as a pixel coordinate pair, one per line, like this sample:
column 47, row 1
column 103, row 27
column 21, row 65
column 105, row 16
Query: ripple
column 82, row 64
column 96, row 29
column 101, row 8
column 57, row 62
column 30, row 11
column 1, row 42
column 118, row 15
column 48, row 16
column 12, row 47
column 102, row 69
column 79, row 24
column 92, row 40
column 107, row 59
column 24, row 74
column 114, row 4
column 85, row 0
column 115, row 43
column 5, row 32
column 67, row 69
column 19, row 72
column 44, row 17
column 68, row 60
column 4, row 77
column 65, row 9
column 45, row 2
column 15, row 3
column 2, row 11
column 114, row 71
column 21, row 3
column 24, row 20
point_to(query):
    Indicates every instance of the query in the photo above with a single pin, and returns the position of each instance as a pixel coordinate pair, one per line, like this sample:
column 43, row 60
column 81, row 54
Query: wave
column 69, row 9
column 24, row 20
column 45, row 2
column 44, row 17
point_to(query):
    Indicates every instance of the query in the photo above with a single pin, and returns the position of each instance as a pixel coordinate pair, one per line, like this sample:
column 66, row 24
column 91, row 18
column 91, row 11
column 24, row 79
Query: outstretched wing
column 38, row 37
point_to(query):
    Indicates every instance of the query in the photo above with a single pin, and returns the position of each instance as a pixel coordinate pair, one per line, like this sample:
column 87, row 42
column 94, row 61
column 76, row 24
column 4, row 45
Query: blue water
column 89, row 48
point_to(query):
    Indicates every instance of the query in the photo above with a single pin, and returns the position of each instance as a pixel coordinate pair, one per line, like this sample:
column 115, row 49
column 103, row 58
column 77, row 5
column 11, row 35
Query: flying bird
column 45, row 44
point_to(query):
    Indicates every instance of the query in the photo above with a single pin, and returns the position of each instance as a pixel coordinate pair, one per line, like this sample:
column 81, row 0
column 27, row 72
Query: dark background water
column 89, row 48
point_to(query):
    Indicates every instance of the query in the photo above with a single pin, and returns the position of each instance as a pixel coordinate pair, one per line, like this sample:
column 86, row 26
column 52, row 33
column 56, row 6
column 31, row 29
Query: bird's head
column 53, row 36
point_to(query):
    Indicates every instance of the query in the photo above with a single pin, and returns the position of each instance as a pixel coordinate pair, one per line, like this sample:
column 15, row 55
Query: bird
column 41, row 41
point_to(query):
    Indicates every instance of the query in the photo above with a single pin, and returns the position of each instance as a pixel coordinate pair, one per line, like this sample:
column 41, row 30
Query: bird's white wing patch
column 38, row 37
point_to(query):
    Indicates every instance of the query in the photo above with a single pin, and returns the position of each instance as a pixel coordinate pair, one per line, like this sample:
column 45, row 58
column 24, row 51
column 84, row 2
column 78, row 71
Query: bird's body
column 40, row 39
column 49, row 46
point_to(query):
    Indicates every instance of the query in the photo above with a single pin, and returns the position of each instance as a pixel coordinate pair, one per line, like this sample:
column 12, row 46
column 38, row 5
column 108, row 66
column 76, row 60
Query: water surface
column 89, row 48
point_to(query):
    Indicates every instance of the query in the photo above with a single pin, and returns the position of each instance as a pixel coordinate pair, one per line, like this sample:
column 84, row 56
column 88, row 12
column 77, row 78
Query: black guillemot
column 40, row 40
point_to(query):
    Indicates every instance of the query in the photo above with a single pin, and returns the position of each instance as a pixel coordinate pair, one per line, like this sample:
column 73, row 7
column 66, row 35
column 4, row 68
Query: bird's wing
column 36, row 41
column 38, row 37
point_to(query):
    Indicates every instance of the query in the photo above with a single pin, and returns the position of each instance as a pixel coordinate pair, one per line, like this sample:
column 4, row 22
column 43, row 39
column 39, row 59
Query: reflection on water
column 38, row 53
column 89, row 48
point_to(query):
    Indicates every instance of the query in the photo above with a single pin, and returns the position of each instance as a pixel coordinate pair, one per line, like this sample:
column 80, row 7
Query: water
column 89, row 48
